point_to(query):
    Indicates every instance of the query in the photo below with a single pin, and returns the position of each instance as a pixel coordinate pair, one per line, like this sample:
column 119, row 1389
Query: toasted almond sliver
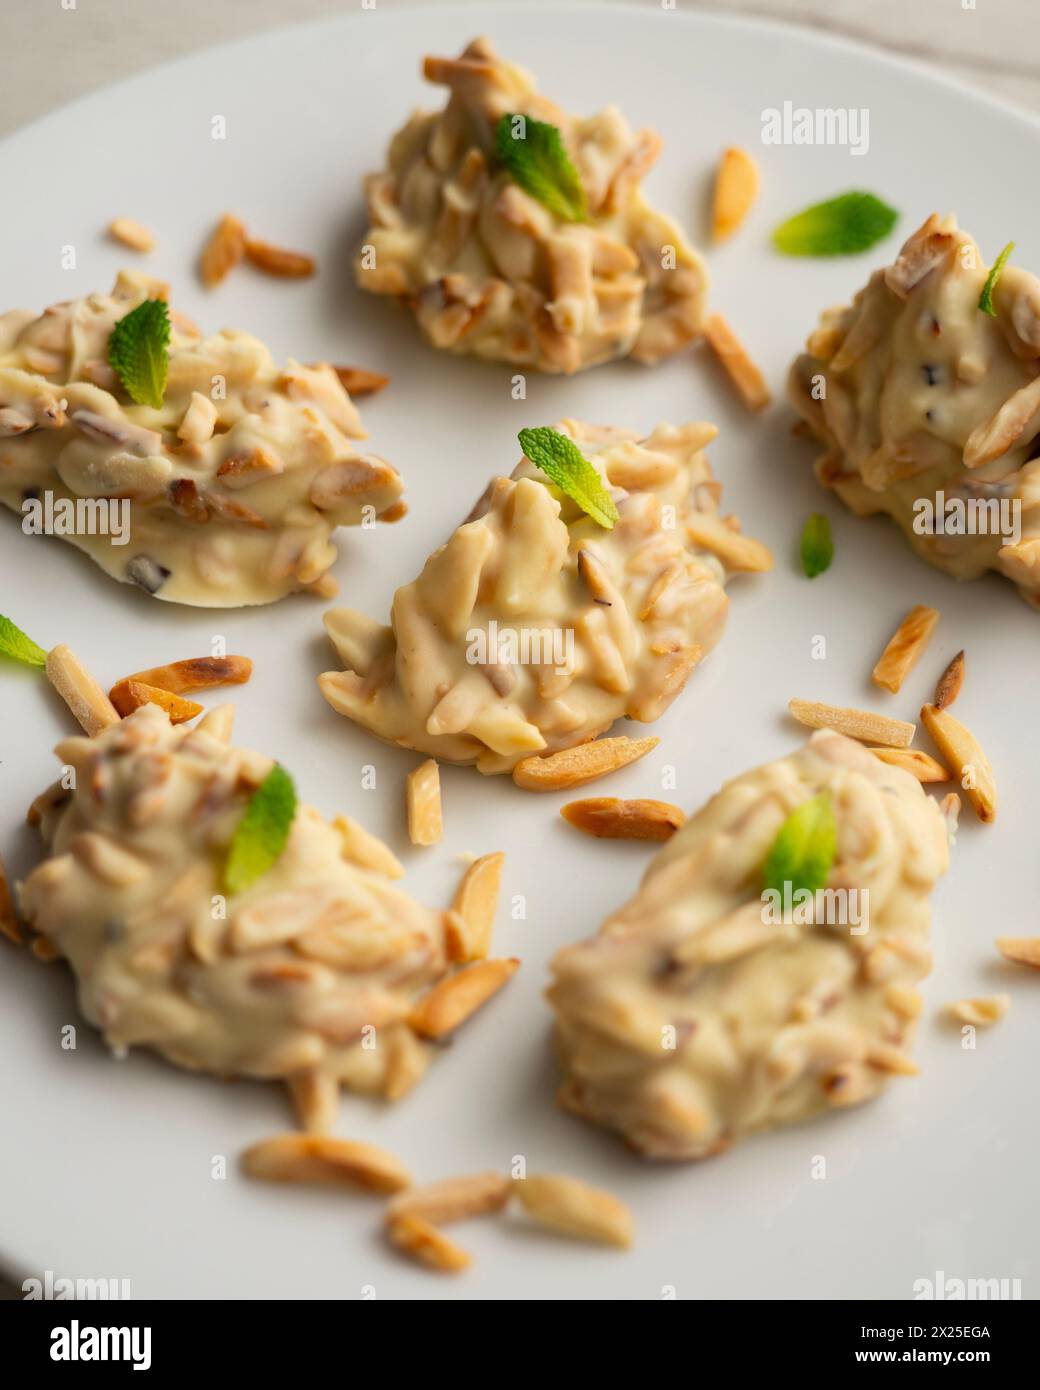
column 740, row 553
column 423, row 801
column 573, row 767
column 738, row 366
column 453, row 1199
column 223, row 251
column 132, row 233
column 218, row 722
column 856, row 723
column 364, row 849
column 179, row 677
column 980, row 1012
column 915, row 761
column 358, row 381
column 905, row 647
column 92, row 708
column 610, row 818
column 315, row 1098
column 8, row 917
column 406, row 1064
column 276, row 260
column 422, row 1240
column 884, row 1057
column 475, row 904
column 962, row 752
column 1020, row 950
column 458, row 997
column 736, row 188
column 318, row 1158
column 950, row 682
column 134, row 694
column 565, row 1204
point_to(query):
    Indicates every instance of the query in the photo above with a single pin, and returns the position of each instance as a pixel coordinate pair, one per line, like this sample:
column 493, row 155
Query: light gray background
column 50, row 54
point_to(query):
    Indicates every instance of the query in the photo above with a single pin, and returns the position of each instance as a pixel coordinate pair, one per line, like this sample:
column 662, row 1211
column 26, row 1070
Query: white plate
column 105, row 1167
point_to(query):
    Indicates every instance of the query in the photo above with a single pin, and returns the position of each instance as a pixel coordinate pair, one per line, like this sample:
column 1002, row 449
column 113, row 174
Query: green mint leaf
column 262, row 832
column 817, row 545
column 137, row 352
column 15, row 644
column 986, row 297
column 804, row 849
column 841, row 226
column 564, row 463
column 534, row 156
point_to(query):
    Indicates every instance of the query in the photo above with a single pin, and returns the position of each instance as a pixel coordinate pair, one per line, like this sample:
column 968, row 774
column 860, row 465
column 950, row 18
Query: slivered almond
column 950, row 682
column 856, row 723
column 315, row 1097
column 452, row 1199
column 961, row 750
column 364, row 849
column 475, row 904
column 610, row 818
column 80, row 691
column 565, row 1204
column 736, row 188
column 406, row 1064
column 134, row 694
column 905, row 647
column 1020, row 950
column 223, row 251
column 740, row 553
column 458, row 997
column 358, row 381
column 276, row 260
column 738, row 366
column 422, row 1240
column 980, row 1012
column 218, row 722
column 423, row 801
column 195, row 673
column 573, row 767
column 8, row 917
column 884, row 1057
column 913, row 760
column 318, row 1158
column 132, row 233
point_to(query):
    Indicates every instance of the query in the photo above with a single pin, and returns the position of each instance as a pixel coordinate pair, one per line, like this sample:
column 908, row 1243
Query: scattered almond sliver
column 1020, row 950
column 738, row 366
column 980, row 1012
column 319, row 1158
column 452, row 1199
column 610, row 818
column 962, row 752
column 133, row 694
column 915, row 761
column 856, row 723
column 475, row 904
column 573, row 767
column 132, row 233
column 736, row 188
column 356, row 381
column 423, row 801
column 276, row 260
column 950, row 682
column 218, row 722
column 364, row 849
column 92, row 708
column 179, row 677
column 8, row 917
column 315, row 1098
column 223, row 251
column 458, row 997
column 422, row 1240
column 904, row 648
column 567, row 1205
column 740, row 553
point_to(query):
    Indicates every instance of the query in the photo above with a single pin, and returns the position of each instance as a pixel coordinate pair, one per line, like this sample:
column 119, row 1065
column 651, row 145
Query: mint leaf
column 804, row 849
column 841, row 226
column 986, row 297
column 534, row 156
column 137, row 352
column 262, row 832
column 564, row 463
column 817, row 545
column 15, row 644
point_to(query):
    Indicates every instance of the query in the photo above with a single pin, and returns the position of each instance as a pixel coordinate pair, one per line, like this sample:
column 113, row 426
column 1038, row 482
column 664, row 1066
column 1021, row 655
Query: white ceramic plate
column 105, row 1167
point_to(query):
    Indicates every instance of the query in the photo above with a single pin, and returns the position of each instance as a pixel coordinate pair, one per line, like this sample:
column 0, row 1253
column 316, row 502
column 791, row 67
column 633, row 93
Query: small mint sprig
column 263, row 831
column 841, row 226
column 138, row 352
column 817, row 547
column 805, row 847
column 19, row 646
column 986, row 297
column 564, row 464
column 536, row 158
